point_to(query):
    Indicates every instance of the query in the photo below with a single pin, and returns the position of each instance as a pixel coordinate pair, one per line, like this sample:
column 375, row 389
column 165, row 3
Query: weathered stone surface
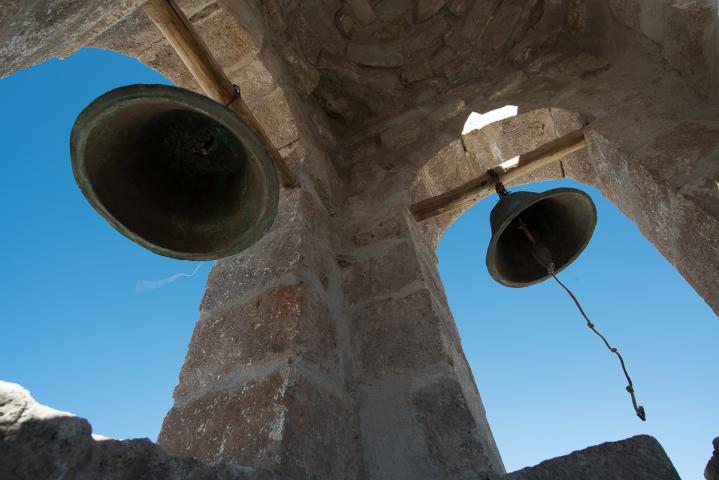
column 227, row 39
column 274, row 114
column 285, row 322
column 425, row 9
column 362, row 11
column 289, row 252
column 451, row 431
column 396, row 336
column 280, row 421
column 37, row 443
column 356, row 369
column 383, row 275
column 711, row 472
column 32, row 32
column 637, row 458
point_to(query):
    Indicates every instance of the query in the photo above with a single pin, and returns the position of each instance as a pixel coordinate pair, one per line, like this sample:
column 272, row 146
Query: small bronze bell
column 174, row 171
column 562, row 220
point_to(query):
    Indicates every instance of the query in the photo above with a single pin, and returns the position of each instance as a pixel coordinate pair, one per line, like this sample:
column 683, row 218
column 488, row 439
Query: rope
column 540, row 253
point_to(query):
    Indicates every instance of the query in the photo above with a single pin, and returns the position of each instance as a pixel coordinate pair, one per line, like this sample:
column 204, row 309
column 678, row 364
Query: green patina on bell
column 174, row 171
column 562, row 220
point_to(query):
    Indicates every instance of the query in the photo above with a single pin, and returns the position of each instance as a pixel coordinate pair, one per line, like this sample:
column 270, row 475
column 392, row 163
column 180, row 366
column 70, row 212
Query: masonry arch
column 640, row 343
column 236, row 38
column 636, row 170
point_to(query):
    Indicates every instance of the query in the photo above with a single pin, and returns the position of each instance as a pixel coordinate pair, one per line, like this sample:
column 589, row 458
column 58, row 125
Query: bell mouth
column 562, row 219
column 174, row 171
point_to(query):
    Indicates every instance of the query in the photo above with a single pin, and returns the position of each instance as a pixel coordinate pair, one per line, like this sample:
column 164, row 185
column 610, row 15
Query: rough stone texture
column 33, row 31
column 638, row 458
column 328, row 350
column 38, row 443
column 711, row 472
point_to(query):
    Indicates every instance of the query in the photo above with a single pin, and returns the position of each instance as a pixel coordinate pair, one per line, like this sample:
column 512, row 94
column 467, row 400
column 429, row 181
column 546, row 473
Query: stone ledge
column 38, row 443
column 636, row 458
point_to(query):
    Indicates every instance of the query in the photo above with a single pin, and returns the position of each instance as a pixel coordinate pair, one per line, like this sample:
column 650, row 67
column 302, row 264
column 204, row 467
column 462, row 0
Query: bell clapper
column 542, row 255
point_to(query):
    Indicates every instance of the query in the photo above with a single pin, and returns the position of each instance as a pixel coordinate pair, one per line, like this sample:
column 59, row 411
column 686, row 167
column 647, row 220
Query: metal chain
column 538, row 251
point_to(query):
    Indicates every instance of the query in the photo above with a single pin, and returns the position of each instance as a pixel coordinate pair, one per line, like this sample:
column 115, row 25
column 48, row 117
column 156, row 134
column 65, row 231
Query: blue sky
column 80, row 338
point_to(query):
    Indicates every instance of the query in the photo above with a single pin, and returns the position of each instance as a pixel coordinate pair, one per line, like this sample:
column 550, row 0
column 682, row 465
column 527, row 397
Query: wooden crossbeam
column 483, row 185
column 182, row 36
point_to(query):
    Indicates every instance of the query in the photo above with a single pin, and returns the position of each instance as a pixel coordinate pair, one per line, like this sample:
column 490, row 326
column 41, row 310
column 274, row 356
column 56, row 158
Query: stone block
column 449, row 168
column 417, row 69
column 637, row 458
column 362, row 11
column 34, row 31
column 281, row 422
column 272, row 13
column 475, row 21
column 502, row 25
column 381, row 230
column 288, row 252
column 426, row 9
column 384, row 55
column 393, row 443
column 274, row 114
column 162, row 58
column 428, row 36
column 254, row 80
column 405, row 134
column 383, row 275
column 243, row 424
column 459, row 7
column 389, row 10
column 38, row 442
column 229, row 42
column 454, row 440
column 314, row 164
column 503, row 140
column 132, row 35
column 305, row 76
column 301, row 209
column 287, row 321
column 318, row 29
column 320, row 435
column 397, row 336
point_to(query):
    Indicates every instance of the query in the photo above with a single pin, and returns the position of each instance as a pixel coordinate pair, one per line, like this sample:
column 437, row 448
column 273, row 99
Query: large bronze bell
column 174, row 171
column 561, row 220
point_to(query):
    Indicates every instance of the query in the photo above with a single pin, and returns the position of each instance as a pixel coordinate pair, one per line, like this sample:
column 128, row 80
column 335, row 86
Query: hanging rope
column 542, row 256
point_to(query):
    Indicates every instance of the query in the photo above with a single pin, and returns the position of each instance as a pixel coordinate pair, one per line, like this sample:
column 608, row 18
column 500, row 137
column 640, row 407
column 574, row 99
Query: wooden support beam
column 508, row 171
column 182, row 36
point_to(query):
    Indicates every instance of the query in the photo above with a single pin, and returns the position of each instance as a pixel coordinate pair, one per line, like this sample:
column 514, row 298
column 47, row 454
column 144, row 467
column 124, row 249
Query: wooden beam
column 483, row 185
column 182, row 36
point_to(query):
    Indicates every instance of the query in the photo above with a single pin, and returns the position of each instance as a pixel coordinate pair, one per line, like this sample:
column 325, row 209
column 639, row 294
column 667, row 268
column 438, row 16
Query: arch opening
column 530, row 346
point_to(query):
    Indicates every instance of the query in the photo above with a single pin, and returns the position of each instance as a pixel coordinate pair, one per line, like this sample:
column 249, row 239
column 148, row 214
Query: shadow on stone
column 38, row 443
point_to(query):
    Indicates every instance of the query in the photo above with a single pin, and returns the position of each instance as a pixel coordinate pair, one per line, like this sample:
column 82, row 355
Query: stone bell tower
column 327, row 350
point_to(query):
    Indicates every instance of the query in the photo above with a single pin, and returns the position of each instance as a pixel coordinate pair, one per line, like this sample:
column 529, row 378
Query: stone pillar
column 327, row 350
column 419, row 410
column 265, row 378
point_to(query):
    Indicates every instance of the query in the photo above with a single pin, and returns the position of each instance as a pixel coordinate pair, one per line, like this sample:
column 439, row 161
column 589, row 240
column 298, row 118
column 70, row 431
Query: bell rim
column 196, row 102
column 503, row 226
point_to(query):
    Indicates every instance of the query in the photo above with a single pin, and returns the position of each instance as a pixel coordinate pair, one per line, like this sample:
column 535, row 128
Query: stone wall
column 638, row 458
column 37, row 442
column 327, row 350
